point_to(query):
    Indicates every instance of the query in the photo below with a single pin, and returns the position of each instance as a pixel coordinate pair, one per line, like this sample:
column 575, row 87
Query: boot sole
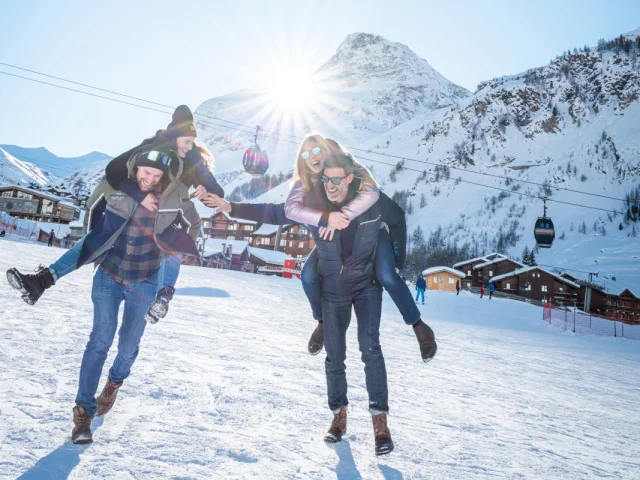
column 13, row 277
column 330, row 438
column 311, row 352
column 427, row 360
column 82, row 441
column 157, row 310
column 384, row 451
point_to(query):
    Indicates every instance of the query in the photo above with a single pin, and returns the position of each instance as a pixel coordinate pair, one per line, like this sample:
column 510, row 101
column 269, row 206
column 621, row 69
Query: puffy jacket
column 421, row 283
column 177, row 223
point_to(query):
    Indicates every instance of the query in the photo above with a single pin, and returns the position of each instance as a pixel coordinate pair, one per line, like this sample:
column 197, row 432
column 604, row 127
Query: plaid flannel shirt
column 134, row 256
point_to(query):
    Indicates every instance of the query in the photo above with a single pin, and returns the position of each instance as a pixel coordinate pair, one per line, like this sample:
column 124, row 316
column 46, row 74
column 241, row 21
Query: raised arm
column 199, row 172
column 296, row 210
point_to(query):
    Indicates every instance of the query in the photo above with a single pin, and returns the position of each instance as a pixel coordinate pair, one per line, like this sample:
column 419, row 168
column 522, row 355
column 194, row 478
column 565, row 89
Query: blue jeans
column 420, row 292
column 336, row 310
column 68, row 262
column 385, row 272
column 107, row 295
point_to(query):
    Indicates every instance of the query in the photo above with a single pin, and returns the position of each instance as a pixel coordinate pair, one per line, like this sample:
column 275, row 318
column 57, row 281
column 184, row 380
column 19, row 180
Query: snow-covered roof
column 30, row 190
column 75, row 224
column 239, row 220
column 237, row 246
column 269, row 256
column 497, row 260
column 452, row 271
column 210, row 250
column 484, row 257
column 266, row 229
column 520, row 271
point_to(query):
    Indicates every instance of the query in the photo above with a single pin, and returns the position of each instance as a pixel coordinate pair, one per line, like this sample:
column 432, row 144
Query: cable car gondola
column 255, row 160
column 544, row 231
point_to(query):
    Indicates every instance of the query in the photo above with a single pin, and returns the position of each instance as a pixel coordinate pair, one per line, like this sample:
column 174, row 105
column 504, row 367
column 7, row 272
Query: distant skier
column 458, row 287
column 491, row 290
column 481, row 290
column 51, row 237
column 421, row 286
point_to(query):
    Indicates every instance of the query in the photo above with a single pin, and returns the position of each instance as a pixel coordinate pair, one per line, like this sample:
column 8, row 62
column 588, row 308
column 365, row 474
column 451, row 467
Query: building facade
column 443, row 278
column 25, row 203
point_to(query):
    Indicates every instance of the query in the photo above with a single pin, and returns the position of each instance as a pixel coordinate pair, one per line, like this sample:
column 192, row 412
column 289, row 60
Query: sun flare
column 290, row 87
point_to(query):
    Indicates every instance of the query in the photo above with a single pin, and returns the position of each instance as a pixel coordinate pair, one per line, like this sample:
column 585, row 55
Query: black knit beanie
column 181, row 123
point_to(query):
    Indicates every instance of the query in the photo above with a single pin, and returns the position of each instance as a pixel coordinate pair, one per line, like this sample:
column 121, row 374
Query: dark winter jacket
column 421, row 284
column 346, row 263
column 196, row 172
column 108, row 211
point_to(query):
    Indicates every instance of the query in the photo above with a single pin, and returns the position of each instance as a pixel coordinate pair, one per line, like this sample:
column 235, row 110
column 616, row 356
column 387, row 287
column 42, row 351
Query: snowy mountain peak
column 633, row 33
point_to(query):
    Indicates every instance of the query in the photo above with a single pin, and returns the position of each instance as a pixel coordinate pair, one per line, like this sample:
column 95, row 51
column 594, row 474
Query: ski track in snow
column 223, row 388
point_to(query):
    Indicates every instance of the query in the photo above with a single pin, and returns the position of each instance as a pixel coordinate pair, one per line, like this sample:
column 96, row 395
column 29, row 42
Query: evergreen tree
column 423, row 201
column 532, row 259
column 410, row 208
column 525, row 255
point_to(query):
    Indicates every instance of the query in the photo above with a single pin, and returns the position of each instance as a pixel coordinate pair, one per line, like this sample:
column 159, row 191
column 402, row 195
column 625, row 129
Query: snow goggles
column 306, row 154
column 334, row 180
column 159, row 157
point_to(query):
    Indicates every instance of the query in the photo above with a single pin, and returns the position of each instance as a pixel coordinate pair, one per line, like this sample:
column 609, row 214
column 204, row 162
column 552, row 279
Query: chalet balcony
column 223, row 232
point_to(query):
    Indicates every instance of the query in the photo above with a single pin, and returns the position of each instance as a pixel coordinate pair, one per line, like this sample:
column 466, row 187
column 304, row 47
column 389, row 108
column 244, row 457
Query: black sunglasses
column 334, row 180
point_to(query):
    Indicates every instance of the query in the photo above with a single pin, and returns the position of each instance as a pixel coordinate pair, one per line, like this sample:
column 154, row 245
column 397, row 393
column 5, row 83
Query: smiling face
column 148, row 177
column 183, row 145
column 337, row 193
column 315, row 163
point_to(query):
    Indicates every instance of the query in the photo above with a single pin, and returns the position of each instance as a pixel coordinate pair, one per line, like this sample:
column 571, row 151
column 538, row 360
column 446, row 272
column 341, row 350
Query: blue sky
column 175, row 54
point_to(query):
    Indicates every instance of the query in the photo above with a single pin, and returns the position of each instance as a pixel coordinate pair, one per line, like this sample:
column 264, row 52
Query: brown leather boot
column 338, row 426
column 427, row 340
column 81, row 433
column 384, row 444
column 316, row 342
column 108, row 397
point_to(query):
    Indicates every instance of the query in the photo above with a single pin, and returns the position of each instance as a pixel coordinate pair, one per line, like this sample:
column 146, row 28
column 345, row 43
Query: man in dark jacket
column 51, row 236
column 345, row 265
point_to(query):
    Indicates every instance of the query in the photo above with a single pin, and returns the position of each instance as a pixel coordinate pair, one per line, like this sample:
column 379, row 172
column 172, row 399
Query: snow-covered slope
column 59, row 166
column 19, row 172
column 223, row 388
column 369, row 86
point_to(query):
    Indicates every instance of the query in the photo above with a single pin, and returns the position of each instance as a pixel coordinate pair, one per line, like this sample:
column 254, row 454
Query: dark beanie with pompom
column 181, row 123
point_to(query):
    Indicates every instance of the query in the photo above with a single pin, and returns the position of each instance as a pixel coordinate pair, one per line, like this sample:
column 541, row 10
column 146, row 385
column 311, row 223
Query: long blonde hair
column 302, row 172
column 305, row 176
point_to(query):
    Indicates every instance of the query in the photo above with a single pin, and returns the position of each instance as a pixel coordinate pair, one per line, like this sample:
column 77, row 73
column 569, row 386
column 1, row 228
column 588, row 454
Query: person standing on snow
column 348, row 280
column 491, row 290
column 481, row 290
column 51, row 237
column 421, row 286
column 458, row 287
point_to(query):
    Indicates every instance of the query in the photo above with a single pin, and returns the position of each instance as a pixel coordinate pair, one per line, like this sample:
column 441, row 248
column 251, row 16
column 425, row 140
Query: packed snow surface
column 223, row 388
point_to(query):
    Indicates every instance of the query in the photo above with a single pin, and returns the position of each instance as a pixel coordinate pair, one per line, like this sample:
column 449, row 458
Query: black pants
column 336, row 314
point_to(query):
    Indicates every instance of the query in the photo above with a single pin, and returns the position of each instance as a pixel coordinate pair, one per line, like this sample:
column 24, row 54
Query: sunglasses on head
column 334, row 180
column 306, row 154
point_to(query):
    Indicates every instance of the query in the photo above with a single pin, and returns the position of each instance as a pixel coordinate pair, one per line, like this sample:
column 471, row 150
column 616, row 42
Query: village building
column 29, row 204
column 222, row 226
column 482, row 272
column 466, row 266
column 536, row 283
column 268, row 262
column 443, row 278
